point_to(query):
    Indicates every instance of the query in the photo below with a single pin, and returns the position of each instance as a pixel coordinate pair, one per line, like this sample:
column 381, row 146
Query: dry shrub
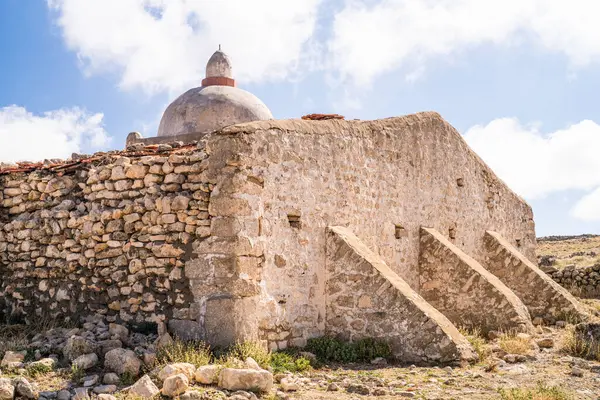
column 577, row 346
column 196, row 353
column 13, row 338
column 541, row 392
column 478, row 342
column 514, row 344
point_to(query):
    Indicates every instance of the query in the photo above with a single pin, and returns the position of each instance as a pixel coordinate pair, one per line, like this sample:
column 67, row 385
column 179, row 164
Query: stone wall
column 107, row 236
column 227, row 240
column 582, row 282
column 365, row 299
column 381, row 179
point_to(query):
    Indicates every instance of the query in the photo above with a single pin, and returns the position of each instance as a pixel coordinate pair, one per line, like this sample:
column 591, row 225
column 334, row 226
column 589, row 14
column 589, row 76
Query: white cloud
column 535, row 165
column 370, row 38
column 55, row 134
column 588, row 207
column 163, row 45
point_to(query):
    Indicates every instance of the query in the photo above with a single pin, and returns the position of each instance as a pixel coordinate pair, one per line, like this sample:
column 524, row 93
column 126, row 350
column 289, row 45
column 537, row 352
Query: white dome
column 210, row 108
column 214, row 105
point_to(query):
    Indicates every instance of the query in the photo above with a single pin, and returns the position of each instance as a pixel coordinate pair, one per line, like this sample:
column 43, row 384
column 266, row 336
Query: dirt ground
column 486, row 380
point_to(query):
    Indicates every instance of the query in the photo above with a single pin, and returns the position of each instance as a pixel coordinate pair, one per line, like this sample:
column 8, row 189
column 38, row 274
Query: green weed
column 327, row 348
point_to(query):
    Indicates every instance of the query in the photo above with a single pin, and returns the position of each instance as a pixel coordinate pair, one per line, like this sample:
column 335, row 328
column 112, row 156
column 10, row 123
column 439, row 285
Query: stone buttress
column 543, row 297
column 366, row 299
column 464, row 291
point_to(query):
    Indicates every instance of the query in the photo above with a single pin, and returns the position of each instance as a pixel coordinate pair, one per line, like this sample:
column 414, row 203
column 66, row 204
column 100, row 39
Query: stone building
column 278, row 231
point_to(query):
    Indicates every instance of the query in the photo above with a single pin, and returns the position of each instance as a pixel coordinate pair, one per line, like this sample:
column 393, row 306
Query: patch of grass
column 77, row 374
column 284, row 362
column 196, row 353
column 35, row 370
column 127, row 379
column 478, row 342
column 242, row 350
column 53, row 381
column 541, row 392
column 131, row 396
column 574, row 345
column 281, row 361
column 513, row 344
column 327, row 348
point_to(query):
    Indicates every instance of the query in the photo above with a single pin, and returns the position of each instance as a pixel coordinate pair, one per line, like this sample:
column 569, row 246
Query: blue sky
column 518, row 78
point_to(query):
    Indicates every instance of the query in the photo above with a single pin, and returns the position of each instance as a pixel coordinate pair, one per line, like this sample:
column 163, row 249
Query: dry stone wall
column 582, row 282
column 110, row 236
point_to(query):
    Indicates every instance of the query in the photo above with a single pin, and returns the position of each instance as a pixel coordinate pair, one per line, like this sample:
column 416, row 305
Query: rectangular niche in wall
column 294, row 220
column 400, row 231
column 452, row 233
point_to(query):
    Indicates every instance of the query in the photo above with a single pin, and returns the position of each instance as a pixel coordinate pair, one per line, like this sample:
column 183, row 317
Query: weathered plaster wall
column 543, row 297
column 365, row 299
column 110, row 236
column 383, row 180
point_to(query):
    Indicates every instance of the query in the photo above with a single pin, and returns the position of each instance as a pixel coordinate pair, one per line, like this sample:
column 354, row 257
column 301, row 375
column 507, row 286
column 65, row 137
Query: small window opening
column 518, row 242
column 460, row 182
column 294, row 220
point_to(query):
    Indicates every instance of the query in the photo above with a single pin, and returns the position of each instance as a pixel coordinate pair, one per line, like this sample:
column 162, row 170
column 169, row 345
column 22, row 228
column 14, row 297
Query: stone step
column 464, row 291
column 366, row 299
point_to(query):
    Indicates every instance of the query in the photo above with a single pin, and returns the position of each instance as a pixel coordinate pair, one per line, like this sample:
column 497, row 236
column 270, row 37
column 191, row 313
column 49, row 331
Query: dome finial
column 218, row 70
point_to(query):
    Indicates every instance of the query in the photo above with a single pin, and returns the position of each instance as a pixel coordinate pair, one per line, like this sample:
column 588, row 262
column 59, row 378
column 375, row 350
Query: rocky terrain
column 108, row 361
column 572, row 261
column 562, row 251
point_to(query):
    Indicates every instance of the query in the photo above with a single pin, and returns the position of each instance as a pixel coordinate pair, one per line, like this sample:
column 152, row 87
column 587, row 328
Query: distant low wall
column 582, row 282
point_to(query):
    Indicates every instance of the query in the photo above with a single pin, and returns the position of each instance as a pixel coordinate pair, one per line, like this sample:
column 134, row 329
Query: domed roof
column 210, row 108
column 214, row 105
